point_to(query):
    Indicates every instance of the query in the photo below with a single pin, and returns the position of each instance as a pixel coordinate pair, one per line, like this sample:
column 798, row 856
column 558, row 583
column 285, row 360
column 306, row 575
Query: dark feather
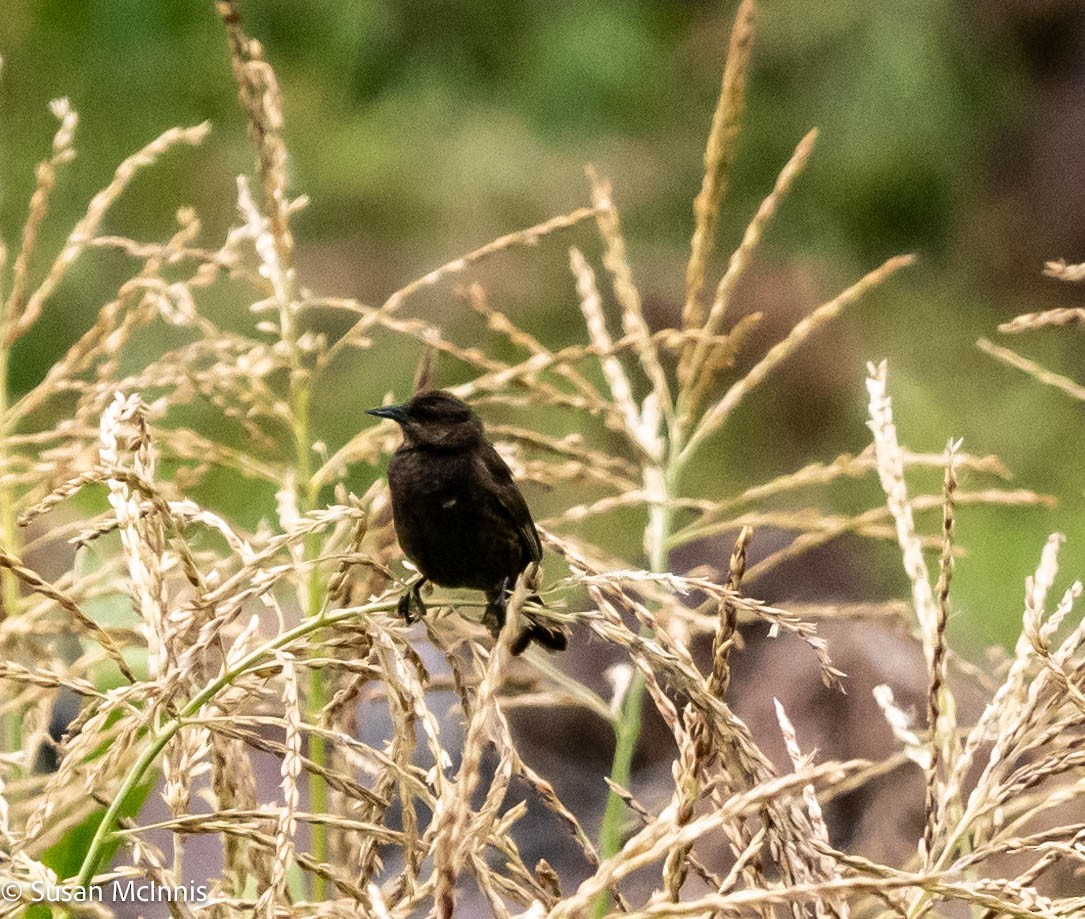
column 458, row 513
column 502, row 486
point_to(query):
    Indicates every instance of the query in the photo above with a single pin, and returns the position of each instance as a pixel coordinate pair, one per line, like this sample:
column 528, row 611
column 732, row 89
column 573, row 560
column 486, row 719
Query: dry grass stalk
column 22, row 318
column 451, row 847
column 740, row 258
column 45, row 176
column 286, row 820
column 234, row 784
column 1023, row 717
column 829, row 867
column 628, row 297
column 715, row 416
column 529, row 237
column 941, row 706
column 1029, row 322
column 719, row 156
column 654, row 840
column 1035, row 370
column 1054, row 317
column 281, row 641
column 258, row 93
column 697, row 750
column 891, row 474
column 1065, row 272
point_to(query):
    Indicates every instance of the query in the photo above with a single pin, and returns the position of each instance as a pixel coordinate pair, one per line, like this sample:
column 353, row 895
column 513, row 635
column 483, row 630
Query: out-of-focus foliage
column 631, row 398
column 420, row 129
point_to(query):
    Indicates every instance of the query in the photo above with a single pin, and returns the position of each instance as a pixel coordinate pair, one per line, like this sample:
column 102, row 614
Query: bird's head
column 434, row 419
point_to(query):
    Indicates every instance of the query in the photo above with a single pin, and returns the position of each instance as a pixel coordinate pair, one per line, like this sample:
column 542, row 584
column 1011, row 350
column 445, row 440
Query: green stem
column 308, row 493
column 254, row 659
column 10, row 727
column 318, row 753
column 627, row 729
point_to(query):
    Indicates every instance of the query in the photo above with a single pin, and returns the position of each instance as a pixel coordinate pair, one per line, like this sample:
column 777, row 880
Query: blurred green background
column 422, row 129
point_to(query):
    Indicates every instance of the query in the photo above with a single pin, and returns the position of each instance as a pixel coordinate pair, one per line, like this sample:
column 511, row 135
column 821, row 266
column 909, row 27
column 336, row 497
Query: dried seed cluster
column 200, row 650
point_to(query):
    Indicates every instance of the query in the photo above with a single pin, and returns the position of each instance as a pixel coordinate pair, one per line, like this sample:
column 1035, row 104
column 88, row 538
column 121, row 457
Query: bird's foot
column 411, row 608
column 493, row 617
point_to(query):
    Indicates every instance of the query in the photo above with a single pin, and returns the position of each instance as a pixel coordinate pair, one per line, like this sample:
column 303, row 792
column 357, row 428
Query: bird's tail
column 549, row 637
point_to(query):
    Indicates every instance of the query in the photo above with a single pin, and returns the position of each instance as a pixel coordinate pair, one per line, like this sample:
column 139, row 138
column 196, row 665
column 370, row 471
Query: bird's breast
column 446, row 525
column 435, row 481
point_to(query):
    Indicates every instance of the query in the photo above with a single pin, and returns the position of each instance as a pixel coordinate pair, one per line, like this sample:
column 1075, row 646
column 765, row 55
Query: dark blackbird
column 458, row 513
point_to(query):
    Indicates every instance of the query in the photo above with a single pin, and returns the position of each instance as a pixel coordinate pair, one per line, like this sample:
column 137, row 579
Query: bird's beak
column 395, row 412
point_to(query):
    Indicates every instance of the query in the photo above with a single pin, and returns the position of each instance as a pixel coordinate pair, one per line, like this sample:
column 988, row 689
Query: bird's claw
column 493, row 617
column 493, row 620
column 410, row 606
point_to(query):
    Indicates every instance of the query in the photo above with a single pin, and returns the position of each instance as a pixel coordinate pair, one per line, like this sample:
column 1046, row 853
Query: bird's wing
column 495, row 472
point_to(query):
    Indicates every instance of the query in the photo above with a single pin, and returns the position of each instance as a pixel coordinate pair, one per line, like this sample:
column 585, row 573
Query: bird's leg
column 412, row 598
column 494, row 615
